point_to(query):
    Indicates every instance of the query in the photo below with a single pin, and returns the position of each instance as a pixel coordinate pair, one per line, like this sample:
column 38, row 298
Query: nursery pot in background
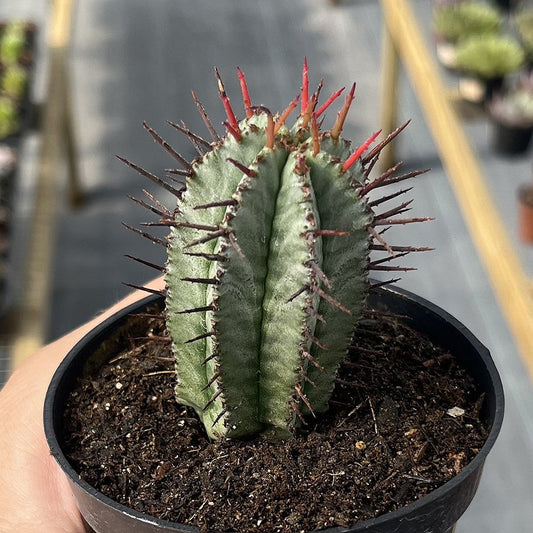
column 525, row 213
column 491, row 86
column 436, row 512
column 510, row 139
column 511, row 114
column 507, row 5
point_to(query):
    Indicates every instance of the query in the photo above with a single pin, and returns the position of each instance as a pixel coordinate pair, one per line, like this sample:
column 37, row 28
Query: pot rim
column 449, row 486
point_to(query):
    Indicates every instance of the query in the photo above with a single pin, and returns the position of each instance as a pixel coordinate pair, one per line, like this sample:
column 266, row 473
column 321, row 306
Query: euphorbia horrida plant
column 268, row 260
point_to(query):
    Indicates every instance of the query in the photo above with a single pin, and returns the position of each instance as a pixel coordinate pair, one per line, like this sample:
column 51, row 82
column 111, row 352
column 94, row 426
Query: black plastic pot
column 510, row 140
column 435, row 513
column 507, row 5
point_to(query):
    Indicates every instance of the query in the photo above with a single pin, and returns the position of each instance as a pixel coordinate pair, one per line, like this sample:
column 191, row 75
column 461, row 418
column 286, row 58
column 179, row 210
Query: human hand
column 34, row 494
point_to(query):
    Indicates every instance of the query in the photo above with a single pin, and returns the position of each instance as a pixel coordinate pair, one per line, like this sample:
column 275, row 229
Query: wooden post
column 71, row 147
column 510, row 284
column 390, row 65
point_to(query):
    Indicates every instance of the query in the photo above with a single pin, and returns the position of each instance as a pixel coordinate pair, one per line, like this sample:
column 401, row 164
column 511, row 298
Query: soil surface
column 404, row 419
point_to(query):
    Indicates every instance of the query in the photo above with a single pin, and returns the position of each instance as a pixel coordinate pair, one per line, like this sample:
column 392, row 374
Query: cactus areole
column 268, row 260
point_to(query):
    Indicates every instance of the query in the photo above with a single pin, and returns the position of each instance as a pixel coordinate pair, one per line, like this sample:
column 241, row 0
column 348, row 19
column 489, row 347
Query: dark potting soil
column 404, row 419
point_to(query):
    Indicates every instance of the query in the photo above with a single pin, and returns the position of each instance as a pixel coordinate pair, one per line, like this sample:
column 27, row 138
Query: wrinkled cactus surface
column 268, row 260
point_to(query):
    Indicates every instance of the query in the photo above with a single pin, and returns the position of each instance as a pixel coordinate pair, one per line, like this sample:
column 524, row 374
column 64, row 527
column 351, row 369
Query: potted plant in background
column 267, row 273
column 9, row 117
column 523, row 22
column 511, row 113
column 454, row 21
column 525, row 213
column 16, row 51
column 16, row 42
column 13, row 42
column 487, row 60
column 14, row 82
column 8, row 165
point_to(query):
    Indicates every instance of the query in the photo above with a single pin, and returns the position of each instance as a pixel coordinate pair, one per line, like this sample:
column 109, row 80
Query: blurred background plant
column 490, row 56
column 14, row 82
column 12, row 43
column 487, row 60
column 15, row 65
column 514, row 106
column 511, row 113
column 9, row 121
column 523, row 23
column 454, row 21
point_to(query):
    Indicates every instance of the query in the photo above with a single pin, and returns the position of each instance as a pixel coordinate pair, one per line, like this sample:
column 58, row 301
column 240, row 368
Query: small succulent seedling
column 490, row 56
column 457, row 20
column 523, row 22
column 514, row 107
column 12, row 43
column 9, row 122
column 268, row 260
column 14, row 82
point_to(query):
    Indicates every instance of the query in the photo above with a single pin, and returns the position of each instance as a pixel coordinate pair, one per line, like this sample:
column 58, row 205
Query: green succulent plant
column 523, row 22
column 9, row 122
column 14, row 81
column 268, row 260
column 489, row 56
column 12, row 43
column 514, row 107
column 459, row 20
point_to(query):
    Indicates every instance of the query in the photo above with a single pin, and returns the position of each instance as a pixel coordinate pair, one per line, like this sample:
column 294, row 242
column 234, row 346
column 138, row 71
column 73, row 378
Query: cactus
column 268, row 260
